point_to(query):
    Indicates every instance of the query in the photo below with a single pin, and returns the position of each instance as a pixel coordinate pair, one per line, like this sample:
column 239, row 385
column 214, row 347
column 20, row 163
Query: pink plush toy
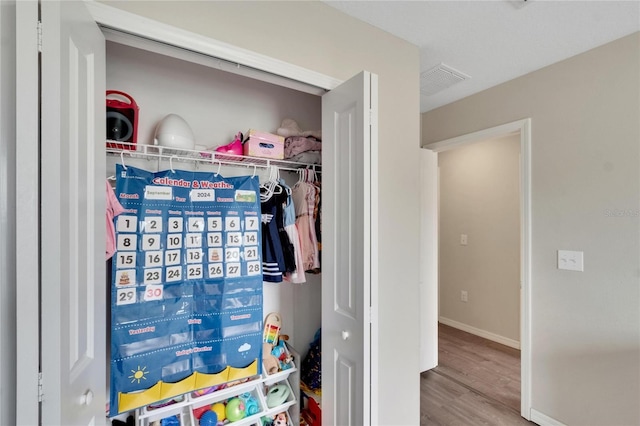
column 280, row 419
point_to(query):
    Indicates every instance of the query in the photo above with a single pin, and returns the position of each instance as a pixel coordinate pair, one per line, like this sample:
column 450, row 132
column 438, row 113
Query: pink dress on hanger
column 304, row 201
column 114, row 208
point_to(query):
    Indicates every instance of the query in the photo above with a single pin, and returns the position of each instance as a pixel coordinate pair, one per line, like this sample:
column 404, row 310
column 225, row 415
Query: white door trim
column 130, row 23
column 523, row 127
column 28, row 211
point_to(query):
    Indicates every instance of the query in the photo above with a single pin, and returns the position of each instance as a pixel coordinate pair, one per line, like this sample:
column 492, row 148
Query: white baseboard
column 544, row 420
column 482, row 333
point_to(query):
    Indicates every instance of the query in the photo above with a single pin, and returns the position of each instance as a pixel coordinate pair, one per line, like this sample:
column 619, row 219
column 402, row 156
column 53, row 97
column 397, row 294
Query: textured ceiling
column 496, row 41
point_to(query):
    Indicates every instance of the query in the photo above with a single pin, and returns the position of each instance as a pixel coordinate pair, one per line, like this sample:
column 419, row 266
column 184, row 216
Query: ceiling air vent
column 439, row 78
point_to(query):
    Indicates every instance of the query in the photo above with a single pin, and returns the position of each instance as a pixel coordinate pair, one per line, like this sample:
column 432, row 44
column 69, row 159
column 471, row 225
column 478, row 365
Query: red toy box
column 263, row 144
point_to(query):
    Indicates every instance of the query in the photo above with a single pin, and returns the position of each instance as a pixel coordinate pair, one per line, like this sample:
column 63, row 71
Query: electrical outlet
column 464, row 296
column 571, row 260
column 464, row 239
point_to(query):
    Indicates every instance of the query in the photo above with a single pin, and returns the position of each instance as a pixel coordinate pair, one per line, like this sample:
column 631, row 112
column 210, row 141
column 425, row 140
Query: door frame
column 523, row 128
column 263, row 67
column 27, row 208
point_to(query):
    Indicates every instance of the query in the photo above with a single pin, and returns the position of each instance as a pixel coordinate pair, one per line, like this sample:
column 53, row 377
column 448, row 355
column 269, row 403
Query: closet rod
column 207, row 157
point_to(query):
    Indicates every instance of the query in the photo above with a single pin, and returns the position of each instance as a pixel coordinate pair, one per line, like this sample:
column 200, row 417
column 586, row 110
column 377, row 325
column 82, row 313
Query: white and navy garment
column 273, row 263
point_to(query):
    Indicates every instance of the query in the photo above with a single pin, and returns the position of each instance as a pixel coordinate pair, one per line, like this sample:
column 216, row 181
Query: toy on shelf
column 219, row 409
column 280, row 419
column 234, row 147
column 275, row 355
column 235, row 409
column 251, row 406
column 270, row 338
column 209, row 418
column 277, row 395
column 281, row 353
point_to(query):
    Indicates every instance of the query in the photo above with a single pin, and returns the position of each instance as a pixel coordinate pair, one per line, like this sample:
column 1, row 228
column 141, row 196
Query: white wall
column 7, row 213
column 318, row 37
column 585, row 183
column 480, row 197
column 215, row 104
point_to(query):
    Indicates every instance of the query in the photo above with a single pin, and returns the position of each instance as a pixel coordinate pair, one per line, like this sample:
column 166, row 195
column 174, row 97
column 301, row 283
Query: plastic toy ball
column 209, row 418
column 219, row 409
column 170, row 421
column 235, row 409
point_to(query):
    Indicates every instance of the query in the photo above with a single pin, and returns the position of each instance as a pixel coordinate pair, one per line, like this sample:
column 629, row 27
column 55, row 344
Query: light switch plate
column 571, row 260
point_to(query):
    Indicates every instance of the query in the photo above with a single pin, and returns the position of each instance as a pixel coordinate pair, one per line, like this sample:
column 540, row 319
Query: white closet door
column 428, row 260
column 72, row 216
column 349, row 189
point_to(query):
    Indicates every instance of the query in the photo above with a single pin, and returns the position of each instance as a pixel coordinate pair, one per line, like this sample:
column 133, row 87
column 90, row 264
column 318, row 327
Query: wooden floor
column 477, row 382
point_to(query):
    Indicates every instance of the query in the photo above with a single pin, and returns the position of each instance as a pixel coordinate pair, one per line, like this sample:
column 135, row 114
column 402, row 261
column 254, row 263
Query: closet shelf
column 137, row 150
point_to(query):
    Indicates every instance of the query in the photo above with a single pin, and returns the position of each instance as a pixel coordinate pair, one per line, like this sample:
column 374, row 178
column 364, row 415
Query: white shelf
column 129, row 150
column 258, row 388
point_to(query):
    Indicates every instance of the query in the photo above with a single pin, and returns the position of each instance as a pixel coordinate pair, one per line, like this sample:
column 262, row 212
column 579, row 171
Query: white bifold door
column 349, row 203
column 72, row 216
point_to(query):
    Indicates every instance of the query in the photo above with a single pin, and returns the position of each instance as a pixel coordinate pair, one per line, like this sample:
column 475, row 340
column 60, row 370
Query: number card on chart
column 186, row 292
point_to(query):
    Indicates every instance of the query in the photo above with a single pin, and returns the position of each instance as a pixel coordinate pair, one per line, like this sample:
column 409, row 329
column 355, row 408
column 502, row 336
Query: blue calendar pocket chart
column 186, row 290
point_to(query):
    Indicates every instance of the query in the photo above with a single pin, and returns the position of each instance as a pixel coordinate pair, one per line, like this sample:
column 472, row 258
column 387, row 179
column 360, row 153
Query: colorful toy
column 170, row 421
column 277, row 395
column 209, row 418
column 250, row 404
column 271, row 363
column 198, row 412
column 270, row 337
column 206, row 391
column 272, row 326
column 280, row 352
column 234, row 147
column 280, row 419
column 220, row 410
column 235, row 409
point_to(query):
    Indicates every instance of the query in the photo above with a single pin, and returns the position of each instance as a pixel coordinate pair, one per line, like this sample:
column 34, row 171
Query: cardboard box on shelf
column 263, row 144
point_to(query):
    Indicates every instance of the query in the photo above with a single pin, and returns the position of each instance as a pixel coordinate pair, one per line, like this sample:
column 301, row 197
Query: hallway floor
column 476, row 382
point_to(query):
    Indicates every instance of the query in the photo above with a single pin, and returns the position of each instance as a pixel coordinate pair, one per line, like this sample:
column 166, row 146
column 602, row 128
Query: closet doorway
column 476, row 241
column 74, row 153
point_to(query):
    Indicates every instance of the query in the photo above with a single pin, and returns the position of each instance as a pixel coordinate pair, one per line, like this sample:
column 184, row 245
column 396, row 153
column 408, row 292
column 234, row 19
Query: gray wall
column 585, row 196
column 480, row 197
column 7, row 213
column 318, row 37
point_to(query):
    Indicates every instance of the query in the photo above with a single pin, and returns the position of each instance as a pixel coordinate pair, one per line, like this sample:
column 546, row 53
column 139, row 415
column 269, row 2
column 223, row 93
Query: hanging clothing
column 273, row 257
column 296, row 276
column 304, row 200
column 114, row 208
column 288, row 248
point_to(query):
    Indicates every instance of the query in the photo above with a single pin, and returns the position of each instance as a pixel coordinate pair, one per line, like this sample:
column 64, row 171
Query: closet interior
column 217, row 105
